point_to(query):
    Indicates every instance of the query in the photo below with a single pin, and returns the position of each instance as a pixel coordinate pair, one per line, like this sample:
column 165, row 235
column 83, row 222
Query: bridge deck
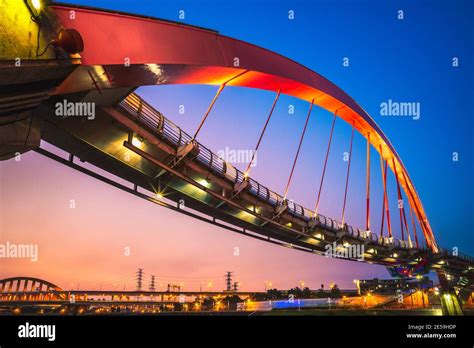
column 205, row 182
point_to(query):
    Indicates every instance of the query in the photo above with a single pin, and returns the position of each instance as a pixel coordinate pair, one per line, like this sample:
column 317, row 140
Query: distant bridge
column 27, row 291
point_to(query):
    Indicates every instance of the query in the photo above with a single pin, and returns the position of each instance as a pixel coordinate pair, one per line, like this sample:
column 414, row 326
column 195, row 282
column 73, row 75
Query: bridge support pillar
column 450, row 304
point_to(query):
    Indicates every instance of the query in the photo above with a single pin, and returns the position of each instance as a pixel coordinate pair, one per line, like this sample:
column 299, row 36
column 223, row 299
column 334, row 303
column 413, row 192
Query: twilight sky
column 407, row 60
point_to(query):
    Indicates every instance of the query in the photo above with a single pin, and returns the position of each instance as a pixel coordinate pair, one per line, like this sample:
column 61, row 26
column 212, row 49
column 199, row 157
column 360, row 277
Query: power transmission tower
column 152, row 283
column 236, row 287
column 139, row 279
column 228, row 281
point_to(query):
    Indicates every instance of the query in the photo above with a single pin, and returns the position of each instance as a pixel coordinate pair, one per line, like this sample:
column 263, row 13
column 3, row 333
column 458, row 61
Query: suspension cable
column 414, row 226
column 400, row 198
column 367, row 188
column 298, row 150
column 387, row 208
column 429, row 238
column 246, row 173
column 221, row 87
column 326, row 161
column 406, row 224
column 383, row 206
column 347, row 175
column 411, row 210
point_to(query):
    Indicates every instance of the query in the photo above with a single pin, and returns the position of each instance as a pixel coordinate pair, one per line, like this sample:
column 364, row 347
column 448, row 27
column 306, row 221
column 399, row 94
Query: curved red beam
column 124, row 50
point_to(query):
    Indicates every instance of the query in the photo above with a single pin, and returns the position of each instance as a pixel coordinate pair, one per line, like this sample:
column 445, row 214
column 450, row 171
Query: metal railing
column 147, row 116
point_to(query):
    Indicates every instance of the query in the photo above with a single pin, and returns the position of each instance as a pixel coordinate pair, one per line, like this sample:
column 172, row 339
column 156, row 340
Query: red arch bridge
column 122, row 52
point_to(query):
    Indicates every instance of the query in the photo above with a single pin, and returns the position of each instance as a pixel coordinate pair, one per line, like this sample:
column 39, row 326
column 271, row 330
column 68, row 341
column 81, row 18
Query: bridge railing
column 155, row 121
column 458, row 255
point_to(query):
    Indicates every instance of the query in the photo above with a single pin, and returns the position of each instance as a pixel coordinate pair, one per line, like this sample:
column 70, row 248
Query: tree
column 231, row 302
column 335, row 292
column 208, row 303
column 297, row 292
column 306, row 293
column 274, row 294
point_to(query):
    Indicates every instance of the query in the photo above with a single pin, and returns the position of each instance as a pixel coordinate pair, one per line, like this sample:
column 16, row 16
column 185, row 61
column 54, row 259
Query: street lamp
column 136, row 141
column 357, row 283
column 268, row 285
column 34, row 6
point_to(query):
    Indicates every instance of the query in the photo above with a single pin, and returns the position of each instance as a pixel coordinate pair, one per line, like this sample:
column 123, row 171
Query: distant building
column 391, row 286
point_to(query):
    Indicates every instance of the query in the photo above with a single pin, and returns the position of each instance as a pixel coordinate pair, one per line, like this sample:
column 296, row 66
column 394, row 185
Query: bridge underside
column 152, row 171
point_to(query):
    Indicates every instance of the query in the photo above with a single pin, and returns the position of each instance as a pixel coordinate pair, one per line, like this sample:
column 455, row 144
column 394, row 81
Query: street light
column 357, row 283
column 34, row 6
column 268, row 285
column 136, row 142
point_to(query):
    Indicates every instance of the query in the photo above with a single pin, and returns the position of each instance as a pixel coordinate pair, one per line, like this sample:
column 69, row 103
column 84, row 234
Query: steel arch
column 123, row 50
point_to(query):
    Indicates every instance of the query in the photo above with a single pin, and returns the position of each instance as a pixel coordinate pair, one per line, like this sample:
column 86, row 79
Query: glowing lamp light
column 34, row 6
column 204, row 182
column 136, row 142
column 70, row 41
